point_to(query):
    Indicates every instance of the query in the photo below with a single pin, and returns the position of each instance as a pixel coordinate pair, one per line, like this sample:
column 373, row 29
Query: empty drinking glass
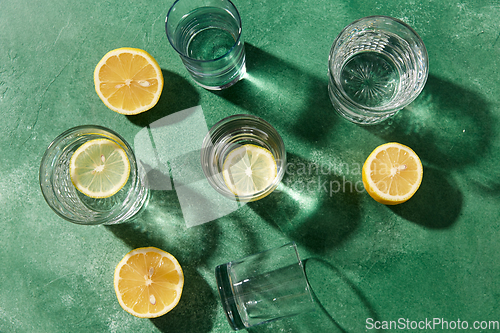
column 264, row 287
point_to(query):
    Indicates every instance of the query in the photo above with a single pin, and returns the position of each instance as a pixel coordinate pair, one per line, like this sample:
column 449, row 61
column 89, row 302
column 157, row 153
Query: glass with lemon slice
column 89, row 175
column 243, row 158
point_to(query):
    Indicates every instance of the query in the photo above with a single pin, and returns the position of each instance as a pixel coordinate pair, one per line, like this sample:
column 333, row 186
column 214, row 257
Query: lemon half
column 392, row 173
column 148, row 282
column 128, row 80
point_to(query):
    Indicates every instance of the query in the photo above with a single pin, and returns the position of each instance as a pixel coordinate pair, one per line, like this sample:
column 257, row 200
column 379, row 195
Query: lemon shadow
column 196, row 309
column 437, row 204
column 177, row 95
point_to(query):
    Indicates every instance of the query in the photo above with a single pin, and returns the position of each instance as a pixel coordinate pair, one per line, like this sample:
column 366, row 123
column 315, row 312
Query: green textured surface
column 436, row 256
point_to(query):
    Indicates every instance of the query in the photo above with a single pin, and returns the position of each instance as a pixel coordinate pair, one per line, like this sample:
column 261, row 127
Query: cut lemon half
column 129, row 81
column 99, row 168
column 148, row 282
column 249, row 169
column 392, row 173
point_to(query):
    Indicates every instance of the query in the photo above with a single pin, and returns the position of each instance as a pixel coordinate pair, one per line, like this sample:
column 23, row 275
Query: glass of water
column 248, row 141
column 69, row 203
column 264, row 287
column 377, row 66
column 207, row 36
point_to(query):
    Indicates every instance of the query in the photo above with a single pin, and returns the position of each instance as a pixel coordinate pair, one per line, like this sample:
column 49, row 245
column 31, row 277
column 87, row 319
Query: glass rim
column 79, row 127
column 240, row 116
column 384, row 17
column 289, row 244
column 183, row 55
column 388, row 18
column 43, row 166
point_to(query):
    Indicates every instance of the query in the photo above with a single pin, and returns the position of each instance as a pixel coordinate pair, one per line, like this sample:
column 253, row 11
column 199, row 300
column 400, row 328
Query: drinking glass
column 207, row 36
column 233, row 132
column 69, row 203
column 264, row 287
column 377, row 66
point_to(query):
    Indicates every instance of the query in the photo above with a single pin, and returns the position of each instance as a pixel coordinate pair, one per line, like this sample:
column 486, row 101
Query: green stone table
column 434, row 258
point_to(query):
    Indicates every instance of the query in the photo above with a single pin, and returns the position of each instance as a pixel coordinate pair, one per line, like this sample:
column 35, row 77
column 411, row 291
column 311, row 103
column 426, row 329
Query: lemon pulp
column 99, row 168
column 249, row 169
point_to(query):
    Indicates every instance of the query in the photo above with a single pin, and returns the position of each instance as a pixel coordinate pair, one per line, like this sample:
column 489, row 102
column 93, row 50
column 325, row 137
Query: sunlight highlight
column 306, row 202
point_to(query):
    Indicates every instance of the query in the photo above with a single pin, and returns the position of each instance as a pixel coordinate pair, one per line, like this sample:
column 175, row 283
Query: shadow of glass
column 161, row 225
column 447, row 126
column 310, row 322
column 273, row 87
column 197, row 308
column 437, row 203
column 157, row 179
column 485, row 177
column 317, row 209
column 338, row 297
column 177, row 94
column 491, row 188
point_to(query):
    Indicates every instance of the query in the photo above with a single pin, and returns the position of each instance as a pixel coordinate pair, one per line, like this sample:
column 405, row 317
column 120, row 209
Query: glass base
column 240, row 76
column 227, row 297
column 135, row 212
column 355, row 117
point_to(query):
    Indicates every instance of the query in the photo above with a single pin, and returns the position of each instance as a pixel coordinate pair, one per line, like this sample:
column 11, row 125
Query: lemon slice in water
column 99, row 168
column 249, row 169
